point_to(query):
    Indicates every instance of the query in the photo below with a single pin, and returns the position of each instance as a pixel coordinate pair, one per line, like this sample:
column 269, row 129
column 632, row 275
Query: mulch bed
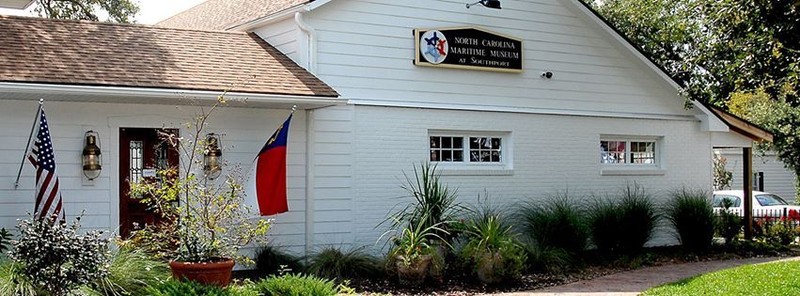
column 459, row 284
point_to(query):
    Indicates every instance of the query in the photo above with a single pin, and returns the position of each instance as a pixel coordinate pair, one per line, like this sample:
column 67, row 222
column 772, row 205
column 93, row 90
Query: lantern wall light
column 92, row 159
column 494, row 4
column 211, row 155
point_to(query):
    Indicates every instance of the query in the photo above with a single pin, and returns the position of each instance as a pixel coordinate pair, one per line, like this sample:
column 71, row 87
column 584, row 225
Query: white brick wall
column 551, row 154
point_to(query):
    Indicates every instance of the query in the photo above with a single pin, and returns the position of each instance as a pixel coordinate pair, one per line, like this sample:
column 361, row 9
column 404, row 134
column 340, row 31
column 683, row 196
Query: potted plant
column 414, row 252
column 432, row 210
column 492, row 249
column 212, row 221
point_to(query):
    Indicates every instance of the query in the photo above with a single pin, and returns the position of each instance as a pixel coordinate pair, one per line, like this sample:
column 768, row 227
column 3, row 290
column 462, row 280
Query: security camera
column 547, row 74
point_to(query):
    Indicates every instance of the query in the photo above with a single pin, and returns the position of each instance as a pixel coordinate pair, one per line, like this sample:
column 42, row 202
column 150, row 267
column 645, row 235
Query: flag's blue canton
column 44, row 146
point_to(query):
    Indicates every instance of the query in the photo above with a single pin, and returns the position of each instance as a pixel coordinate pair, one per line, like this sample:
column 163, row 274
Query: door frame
column 114, row 124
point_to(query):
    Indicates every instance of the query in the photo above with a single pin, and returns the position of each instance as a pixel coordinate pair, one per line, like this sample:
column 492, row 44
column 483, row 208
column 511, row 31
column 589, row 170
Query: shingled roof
column 38, row 50
column 224, row 14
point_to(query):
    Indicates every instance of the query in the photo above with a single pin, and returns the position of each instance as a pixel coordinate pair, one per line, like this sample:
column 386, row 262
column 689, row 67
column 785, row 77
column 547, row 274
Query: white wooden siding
column 284, row 36
column 777, row 178
column 333, row 168
column 244, row 133
column 366, row 48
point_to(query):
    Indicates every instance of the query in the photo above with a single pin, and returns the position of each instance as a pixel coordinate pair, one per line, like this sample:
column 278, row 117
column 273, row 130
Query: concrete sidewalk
column 633, row 282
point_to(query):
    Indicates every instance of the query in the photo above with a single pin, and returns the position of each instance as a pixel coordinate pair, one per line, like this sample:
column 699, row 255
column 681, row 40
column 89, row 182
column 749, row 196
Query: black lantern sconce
column 211, row 162
column 92, row 159
column 494, row 4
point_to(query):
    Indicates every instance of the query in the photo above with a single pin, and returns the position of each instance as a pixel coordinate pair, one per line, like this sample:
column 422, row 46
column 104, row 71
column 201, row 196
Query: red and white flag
column 48, row 194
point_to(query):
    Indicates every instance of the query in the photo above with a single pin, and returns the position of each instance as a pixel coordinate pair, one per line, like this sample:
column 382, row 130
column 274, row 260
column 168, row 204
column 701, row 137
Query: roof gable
column 41, row 50
column 225, row 14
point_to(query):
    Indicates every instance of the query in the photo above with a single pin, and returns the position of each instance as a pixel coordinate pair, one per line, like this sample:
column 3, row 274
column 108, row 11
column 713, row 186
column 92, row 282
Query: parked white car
column 765, row 204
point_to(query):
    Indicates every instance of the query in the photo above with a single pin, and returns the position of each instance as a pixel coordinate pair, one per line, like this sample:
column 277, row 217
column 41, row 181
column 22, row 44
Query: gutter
column 106, row 94
column 311, row 49
column 310, row 182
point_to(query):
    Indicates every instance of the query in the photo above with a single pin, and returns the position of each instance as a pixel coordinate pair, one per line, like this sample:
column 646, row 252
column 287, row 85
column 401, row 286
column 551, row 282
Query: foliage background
column 741, row 55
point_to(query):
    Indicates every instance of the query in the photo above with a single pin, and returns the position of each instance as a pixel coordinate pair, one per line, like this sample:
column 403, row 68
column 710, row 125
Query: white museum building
column 523, row 102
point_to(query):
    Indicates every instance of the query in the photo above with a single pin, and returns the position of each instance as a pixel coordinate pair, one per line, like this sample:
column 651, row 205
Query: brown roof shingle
column 41, row 50
column 224, row 14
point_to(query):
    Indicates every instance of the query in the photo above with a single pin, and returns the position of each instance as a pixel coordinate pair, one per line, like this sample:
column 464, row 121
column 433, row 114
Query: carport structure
column 744, row 135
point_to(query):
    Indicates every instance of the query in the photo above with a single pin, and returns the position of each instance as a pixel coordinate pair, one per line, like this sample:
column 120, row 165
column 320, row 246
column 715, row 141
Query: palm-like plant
column 415, row 241
column 492, row 247
column 434, row 204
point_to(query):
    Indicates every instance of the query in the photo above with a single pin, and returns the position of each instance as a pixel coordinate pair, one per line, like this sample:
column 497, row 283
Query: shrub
column 333, row 263
column 53, row 257
column 12, row 282
column 296, row 285
column 728, row 225
column 492, row 249
column 639, row 219
column 159, row 240
column 548, row 259
column 245, row 289
column 605, row 225
column 5, row 240
column 624, row 225
column 779, row 232
column 187, row 288
column 692, row 217
column 131, row 272
column 272, row 260
column 557, row 223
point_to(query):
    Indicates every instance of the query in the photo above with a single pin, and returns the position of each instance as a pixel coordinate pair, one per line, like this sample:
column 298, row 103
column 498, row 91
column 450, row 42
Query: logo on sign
column 433, row 46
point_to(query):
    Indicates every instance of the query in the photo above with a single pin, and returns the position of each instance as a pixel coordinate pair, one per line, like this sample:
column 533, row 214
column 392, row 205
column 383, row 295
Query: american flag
column 48, row 195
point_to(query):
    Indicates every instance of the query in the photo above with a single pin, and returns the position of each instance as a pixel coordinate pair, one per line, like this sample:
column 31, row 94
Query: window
column 717, row 202
column 631, row 152
column 766, row 200
column 447, row 149
column 136, row 161
column 466, row 149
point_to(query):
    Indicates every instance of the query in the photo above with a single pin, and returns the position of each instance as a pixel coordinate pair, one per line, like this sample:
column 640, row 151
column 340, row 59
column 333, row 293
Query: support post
column 747, row 155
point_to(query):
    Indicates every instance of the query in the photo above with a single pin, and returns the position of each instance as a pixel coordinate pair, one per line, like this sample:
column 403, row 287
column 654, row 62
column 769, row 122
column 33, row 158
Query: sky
column 150, row 11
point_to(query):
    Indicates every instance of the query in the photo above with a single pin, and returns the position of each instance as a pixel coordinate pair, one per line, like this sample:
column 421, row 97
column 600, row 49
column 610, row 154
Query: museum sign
column 467, row 48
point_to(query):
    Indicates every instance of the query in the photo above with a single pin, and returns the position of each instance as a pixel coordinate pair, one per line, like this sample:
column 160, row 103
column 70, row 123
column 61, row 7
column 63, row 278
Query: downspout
column 310, row 163
column 311, row 49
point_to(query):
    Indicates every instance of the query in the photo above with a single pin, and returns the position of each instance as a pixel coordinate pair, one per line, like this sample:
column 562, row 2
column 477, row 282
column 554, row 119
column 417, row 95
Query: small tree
column 212, row 218
column 722, row 176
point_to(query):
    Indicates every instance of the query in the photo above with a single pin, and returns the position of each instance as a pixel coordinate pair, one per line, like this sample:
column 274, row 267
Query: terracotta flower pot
column 216, row 273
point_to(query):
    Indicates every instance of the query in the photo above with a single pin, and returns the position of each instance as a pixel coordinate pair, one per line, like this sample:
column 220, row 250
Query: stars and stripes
column 48, row 195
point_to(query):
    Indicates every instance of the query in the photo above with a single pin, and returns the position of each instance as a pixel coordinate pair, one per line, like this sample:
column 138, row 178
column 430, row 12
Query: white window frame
column 468, row 167
column 629, row 168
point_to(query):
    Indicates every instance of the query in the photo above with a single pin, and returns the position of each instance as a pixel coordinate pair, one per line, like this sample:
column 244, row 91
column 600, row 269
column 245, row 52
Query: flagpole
column 28, row 146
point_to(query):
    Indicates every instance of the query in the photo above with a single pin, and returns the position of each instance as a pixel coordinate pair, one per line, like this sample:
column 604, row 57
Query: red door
column 142, row 153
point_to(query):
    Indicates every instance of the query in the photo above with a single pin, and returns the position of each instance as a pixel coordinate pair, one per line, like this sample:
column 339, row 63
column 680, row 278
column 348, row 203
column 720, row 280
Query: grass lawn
column 781, row 278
